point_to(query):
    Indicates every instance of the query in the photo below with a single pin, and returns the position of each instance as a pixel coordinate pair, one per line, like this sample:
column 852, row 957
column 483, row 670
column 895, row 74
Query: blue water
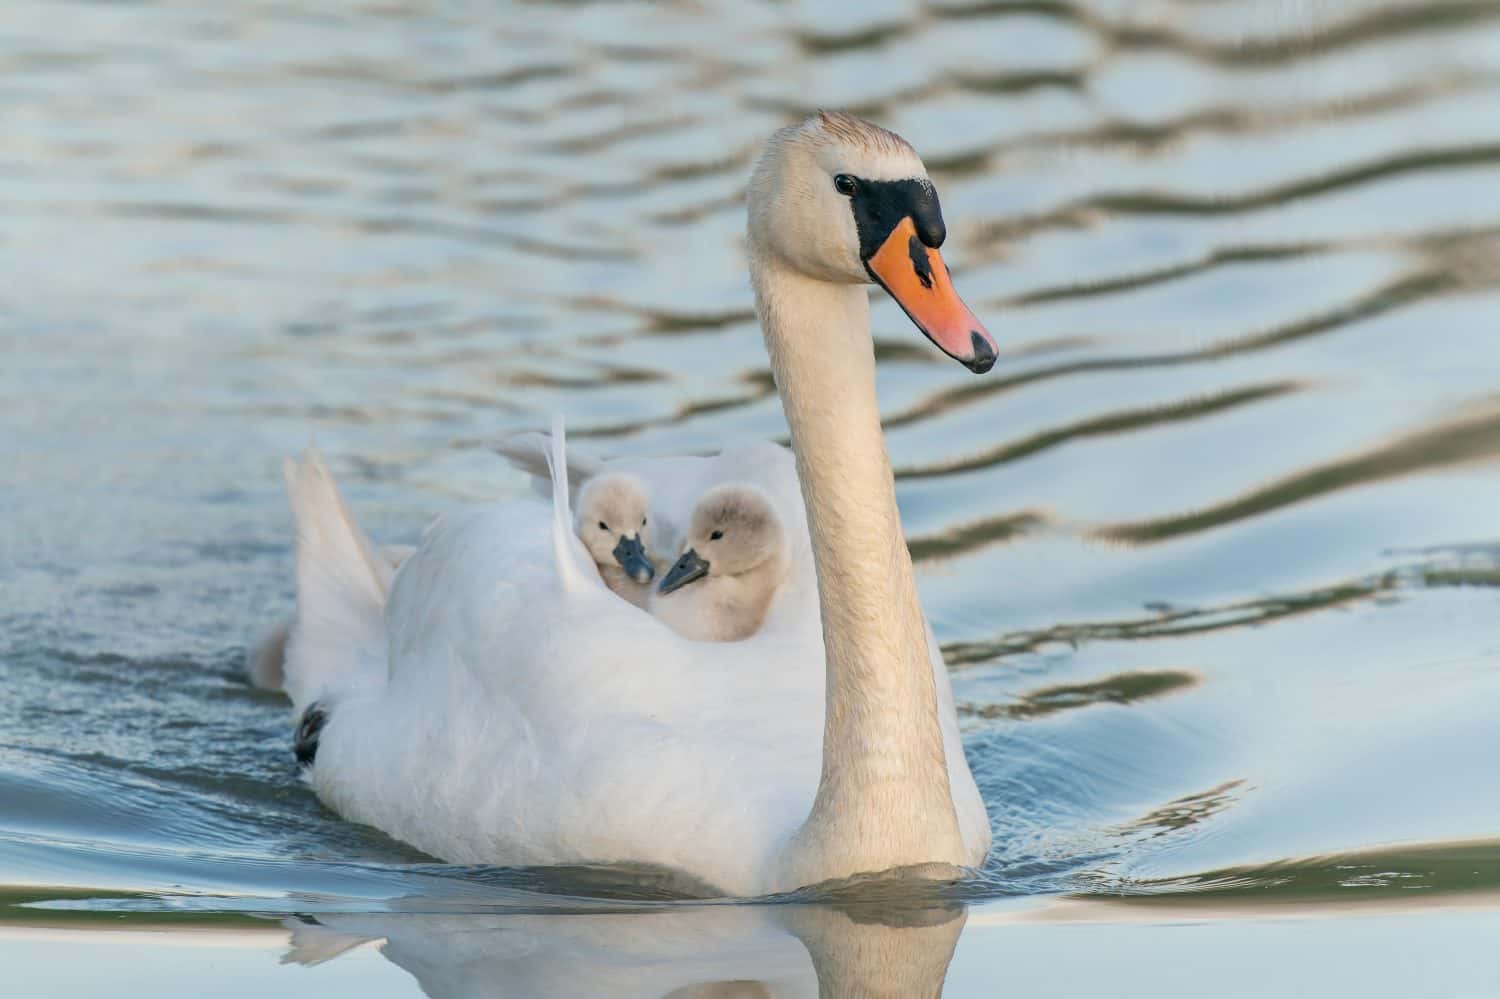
column 1212, row 552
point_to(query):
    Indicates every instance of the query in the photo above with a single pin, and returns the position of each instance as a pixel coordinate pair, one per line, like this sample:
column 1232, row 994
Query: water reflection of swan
column 494, row 703
column 717, row 952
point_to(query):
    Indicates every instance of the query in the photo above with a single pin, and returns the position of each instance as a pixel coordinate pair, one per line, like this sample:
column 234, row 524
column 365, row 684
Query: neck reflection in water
column 680, row 951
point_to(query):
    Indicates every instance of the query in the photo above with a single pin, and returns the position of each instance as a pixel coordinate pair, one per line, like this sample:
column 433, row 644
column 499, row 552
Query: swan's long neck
column 884, row 799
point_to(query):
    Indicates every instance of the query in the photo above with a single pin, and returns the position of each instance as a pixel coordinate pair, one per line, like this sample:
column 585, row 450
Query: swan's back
column 541, row 722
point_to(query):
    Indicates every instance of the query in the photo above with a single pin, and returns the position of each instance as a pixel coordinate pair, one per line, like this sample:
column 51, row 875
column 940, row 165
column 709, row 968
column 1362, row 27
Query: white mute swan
column 613, row 523
column 492, row 702
column 736, row 556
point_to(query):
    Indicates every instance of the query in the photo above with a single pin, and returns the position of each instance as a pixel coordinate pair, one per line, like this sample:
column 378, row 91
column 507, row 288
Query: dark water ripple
column 1211, row 552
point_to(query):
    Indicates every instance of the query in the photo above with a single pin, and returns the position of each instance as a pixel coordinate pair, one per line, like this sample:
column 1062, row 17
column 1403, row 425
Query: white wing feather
column 572, row 560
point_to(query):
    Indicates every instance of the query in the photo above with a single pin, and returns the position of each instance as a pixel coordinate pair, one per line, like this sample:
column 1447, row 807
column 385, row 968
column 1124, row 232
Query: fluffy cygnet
column 734, row 558
column 612, row 521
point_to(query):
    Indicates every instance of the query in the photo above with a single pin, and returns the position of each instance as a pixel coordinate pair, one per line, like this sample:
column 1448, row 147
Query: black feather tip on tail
column 305, row 742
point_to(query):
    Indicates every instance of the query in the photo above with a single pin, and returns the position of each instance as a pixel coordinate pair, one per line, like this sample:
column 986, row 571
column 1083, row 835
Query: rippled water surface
column 1211, row 552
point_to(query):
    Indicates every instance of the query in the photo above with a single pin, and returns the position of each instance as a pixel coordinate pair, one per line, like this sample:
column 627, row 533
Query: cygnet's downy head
column 613, row 523
column 734, row 530
column 841, row 200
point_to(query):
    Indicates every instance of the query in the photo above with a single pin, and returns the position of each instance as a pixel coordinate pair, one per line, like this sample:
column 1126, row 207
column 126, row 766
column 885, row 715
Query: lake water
column 1212, row 552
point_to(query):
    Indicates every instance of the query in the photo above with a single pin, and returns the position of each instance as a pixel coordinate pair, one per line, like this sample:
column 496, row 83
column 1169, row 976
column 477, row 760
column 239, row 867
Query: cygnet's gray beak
column 686, row 569
column 631, row 555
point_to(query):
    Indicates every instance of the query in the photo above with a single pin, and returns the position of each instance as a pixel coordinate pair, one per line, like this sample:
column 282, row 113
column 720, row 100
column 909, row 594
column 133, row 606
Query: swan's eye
column 603, row 526
column 845, row 184
column 716, row 536
column 643, row 521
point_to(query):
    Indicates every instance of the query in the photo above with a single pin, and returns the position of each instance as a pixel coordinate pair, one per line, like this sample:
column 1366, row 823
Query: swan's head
column 841, row 200
column 734, row 531
column 612, row 523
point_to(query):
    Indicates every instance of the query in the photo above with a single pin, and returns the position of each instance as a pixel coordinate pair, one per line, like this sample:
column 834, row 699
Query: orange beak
column 916, row 277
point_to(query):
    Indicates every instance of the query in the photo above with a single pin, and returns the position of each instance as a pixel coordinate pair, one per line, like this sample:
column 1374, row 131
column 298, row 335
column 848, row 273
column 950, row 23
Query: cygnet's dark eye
column 716, row 536
column 603, row 526
column 643, row 521
column 845, row 184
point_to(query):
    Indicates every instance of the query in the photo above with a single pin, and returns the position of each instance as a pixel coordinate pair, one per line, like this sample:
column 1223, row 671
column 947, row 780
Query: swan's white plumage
column 265, row 661
column 585, row 731
column 342, row 585
column 573, row 563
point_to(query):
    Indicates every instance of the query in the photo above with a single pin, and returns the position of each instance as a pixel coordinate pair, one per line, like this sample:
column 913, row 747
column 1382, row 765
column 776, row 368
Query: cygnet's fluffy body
column 613, row 522
column 733, row 561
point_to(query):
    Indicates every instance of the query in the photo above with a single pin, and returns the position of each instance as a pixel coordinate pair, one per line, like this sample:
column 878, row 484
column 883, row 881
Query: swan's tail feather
column 564, row 542
column 337, row 640
column 265, row 664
